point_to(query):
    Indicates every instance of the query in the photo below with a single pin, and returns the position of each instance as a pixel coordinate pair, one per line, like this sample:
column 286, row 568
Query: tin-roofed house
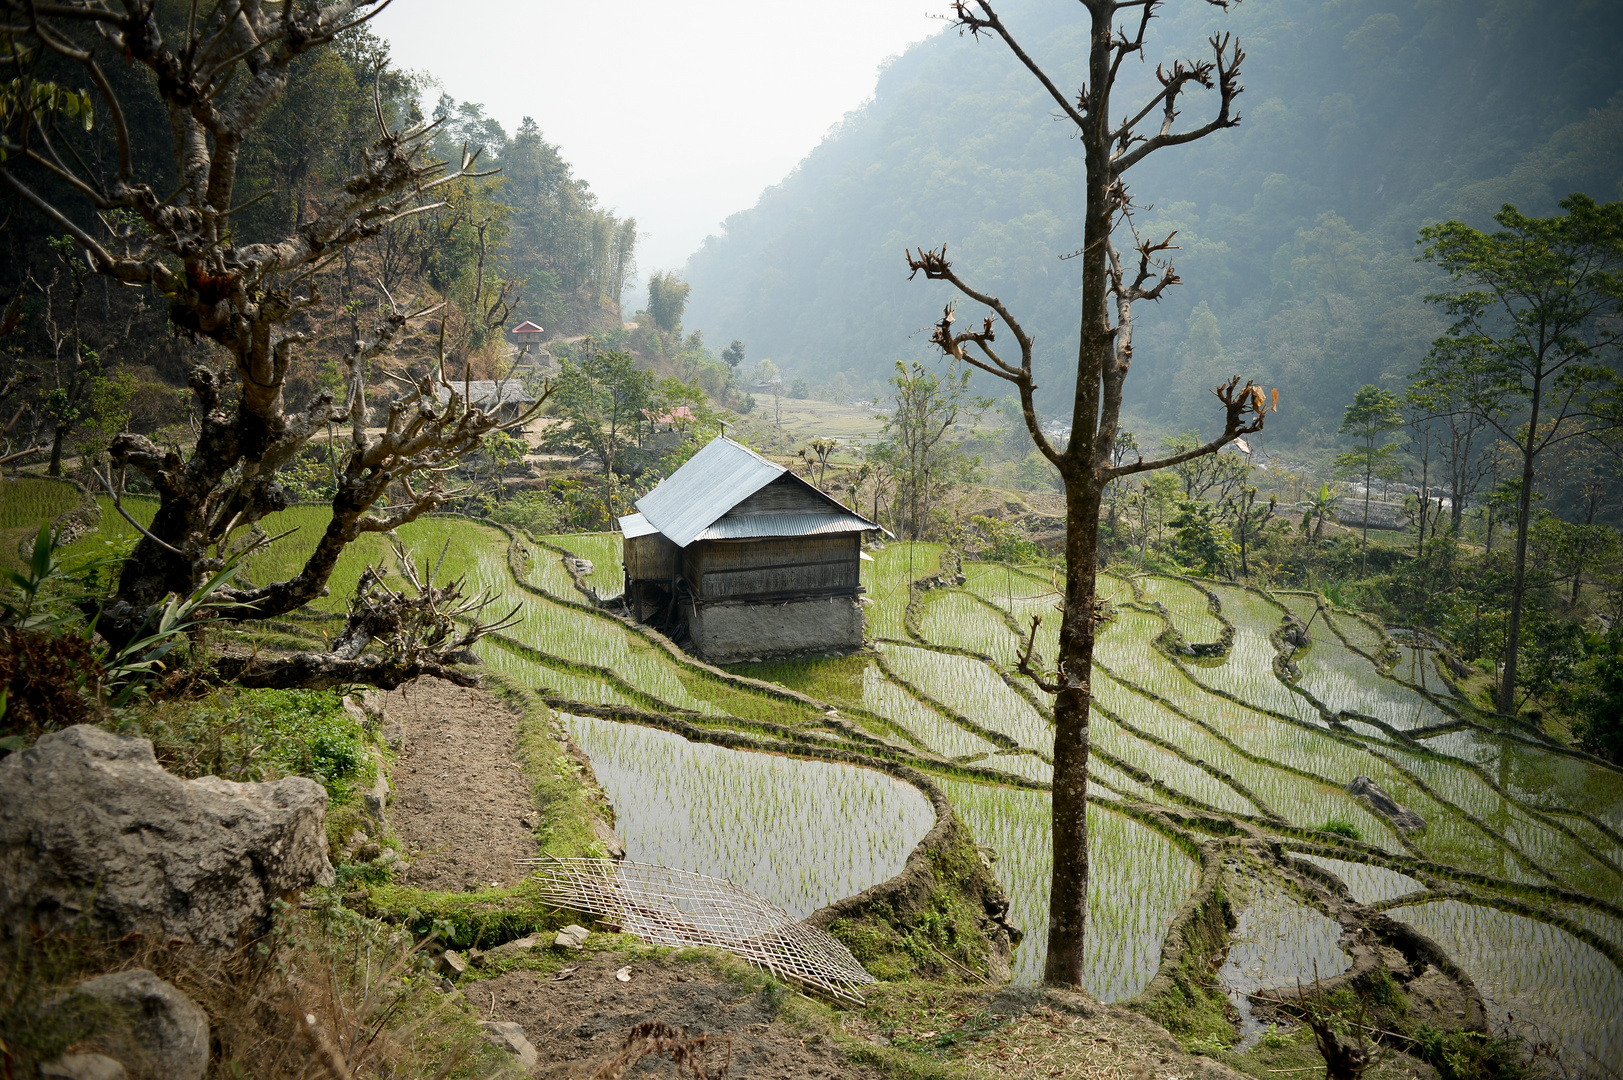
column 756, row 561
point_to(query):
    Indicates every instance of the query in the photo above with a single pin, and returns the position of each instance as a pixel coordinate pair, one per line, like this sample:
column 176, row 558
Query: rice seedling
column 1279, row 941
column 1247, row 671
column 1139, row 880
column 1000, row 583
column 1534, row 977
column 932, row 730
column 1357, row 632
column 957, row 619
column 1346, row 680
column 1300, row 773
column 561, row 682
column 27, row 502
column 801, row 833
column 1170, row 768
column 1186, row 606
column 1609, row 927
column 1224, row 733
column 1367, row 884
column 604, row 551
column 888, row 581
column 544, row 568
column 969, row 686
column 1020, row 763
column 1342, row 827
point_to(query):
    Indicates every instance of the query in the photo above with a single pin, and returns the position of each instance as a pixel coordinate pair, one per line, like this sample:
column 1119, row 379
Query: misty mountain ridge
column 1362, row 121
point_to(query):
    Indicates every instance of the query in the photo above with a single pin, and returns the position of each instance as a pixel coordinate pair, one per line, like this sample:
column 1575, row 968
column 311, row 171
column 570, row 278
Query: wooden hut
column 507, row 399
column 756, row 561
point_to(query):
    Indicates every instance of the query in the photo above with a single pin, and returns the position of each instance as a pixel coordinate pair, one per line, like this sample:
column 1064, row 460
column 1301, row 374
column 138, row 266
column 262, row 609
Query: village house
column 507, row 399
column 755, row 561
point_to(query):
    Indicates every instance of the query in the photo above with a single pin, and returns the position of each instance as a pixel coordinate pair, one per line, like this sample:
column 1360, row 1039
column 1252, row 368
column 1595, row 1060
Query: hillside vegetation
column 1362, row 120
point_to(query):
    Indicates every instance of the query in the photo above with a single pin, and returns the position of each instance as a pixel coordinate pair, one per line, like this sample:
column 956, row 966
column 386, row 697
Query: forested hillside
column 521, row 238
column 1363, row 120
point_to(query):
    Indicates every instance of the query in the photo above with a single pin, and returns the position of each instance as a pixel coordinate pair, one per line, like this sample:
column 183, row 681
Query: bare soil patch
column 578, row 1021
column 460, row 799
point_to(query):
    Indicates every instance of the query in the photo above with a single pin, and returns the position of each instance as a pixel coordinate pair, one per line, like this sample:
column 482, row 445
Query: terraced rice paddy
column 1556, row 987
column 805, row 833
column 1278, row 941
column 1522, row 838
column 25, row 502
column 1140, row 879
column 602, row 550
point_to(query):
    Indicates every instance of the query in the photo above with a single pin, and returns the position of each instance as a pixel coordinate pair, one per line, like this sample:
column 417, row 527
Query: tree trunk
column 1369, row 475
column 1518, row 587
column 1068, row 893
column 57, row 439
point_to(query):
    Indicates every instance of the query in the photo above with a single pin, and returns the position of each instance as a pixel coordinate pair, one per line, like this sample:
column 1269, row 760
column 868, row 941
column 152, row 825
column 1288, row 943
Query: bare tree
column 217, row 71
column 1102, row 362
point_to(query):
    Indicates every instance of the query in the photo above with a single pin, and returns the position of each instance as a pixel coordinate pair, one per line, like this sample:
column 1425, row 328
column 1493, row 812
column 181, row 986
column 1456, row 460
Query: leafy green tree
column 1563, row 551
column 1202, row 539
column 1321, row 508
column 1215, row 475
column 1535, row 327
column 667, row 298
column 1551, row 649
column 733, row 355
column 922, row 441
column 1249, row 521
column 601, row 400
column 107, row 413
column 1148, row 507
column 1005, row 542
column 74, row 366
column 1372, row 414
column 498, row 452
column 1595, row 697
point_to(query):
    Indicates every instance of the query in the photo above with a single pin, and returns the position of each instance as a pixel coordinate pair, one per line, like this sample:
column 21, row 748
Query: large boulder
column 144, row 1021
column 1375, row 798
column 94, row 833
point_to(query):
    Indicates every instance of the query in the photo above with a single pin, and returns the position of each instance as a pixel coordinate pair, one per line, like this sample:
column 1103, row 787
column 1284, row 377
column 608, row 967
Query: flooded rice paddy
column 1509, row 821
column 804, row 833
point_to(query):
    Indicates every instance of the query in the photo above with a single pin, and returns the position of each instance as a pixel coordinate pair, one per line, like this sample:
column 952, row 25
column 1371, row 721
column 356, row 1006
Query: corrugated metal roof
column 636, row 525
column 756, row 526
column 714, row 480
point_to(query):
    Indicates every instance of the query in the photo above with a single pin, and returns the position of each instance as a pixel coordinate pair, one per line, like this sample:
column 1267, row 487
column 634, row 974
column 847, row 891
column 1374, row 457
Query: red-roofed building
column 528, row 333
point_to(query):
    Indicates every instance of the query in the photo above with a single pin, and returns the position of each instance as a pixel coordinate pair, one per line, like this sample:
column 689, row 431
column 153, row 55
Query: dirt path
column 460, row 800
column 583, row 1019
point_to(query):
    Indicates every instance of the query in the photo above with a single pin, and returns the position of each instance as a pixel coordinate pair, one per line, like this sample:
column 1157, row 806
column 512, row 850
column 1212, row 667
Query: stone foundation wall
column 727, row 633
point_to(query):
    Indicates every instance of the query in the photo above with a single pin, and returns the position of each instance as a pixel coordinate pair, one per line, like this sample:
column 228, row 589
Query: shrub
column 46, row 682
column 532, row 511
column 249, row 735
column 1467, row 1055
column 1342, row 827
column 1005, row 542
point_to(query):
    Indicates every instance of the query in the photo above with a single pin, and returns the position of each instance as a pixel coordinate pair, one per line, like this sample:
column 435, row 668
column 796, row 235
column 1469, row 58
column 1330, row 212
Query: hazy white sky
column 677, row 113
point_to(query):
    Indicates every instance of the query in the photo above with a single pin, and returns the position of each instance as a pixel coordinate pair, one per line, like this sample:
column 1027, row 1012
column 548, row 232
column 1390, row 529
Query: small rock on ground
column 510, row 1037
column 168, row 1029
column 83, row 1067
